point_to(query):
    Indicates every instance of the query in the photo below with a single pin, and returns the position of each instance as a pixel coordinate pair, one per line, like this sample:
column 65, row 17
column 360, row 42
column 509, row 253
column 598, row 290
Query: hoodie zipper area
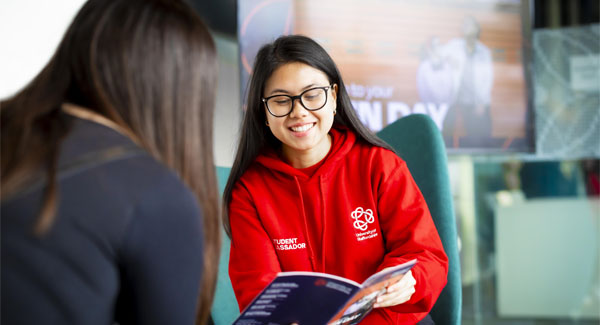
column 311, row 256
column 324, row 223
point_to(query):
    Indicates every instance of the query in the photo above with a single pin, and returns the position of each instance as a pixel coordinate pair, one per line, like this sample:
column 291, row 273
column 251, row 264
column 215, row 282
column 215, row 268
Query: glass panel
column 530, row 239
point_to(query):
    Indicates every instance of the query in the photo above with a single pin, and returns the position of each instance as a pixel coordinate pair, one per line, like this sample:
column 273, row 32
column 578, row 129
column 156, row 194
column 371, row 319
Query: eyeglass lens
column 311, row 99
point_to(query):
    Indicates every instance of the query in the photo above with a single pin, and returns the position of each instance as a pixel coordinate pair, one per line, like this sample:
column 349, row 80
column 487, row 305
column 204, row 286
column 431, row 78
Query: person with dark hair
column 311, row 189
column 109, row 198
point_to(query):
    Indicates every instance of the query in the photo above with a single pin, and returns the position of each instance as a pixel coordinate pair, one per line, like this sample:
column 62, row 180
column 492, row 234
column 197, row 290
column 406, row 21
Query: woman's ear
column 334, row 93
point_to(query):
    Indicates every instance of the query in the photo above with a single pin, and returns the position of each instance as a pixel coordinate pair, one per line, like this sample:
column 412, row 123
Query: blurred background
column 514, row 87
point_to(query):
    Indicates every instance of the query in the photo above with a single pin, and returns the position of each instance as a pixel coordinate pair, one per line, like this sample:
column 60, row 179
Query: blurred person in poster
column 469, row 114
column 109, row 198
column 435, row 76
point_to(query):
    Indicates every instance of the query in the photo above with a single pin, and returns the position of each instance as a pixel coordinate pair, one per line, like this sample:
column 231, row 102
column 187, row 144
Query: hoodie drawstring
column 324, row 223
column 312, row 254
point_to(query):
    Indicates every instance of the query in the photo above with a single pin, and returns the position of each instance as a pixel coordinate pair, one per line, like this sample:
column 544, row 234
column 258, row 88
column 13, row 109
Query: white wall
column 228, row 110
column 547, row 258
column 31, row 30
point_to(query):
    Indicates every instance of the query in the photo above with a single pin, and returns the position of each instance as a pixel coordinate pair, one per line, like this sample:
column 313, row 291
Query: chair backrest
column 225, row 308
column 418, row 141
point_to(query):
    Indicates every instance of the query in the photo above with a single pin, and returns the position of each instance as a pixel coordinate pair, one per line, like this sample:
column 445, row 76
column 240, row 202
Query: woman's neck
column 307, row 158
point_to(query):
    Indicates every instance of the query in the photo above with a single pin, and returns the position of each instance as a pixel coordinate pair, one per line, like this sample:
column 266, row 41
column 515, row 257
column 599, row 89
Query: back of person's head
column 254, row 135
column 147, row 65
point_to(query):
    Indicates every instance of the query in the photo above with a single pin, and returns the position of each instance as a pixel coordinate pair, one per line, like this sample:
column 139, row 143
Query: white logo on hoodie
column 358, row 215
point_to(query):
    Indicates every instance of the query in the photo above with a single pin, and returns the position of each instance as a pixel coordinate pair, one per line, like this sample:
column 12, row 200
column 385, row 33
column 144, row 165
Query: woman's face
column 302, row 131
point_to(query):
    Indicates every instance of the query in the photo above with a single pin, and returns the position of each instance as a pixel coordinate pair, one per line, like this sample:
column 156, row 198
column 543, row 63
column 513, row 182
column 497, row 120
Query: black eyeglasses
column 312, row 99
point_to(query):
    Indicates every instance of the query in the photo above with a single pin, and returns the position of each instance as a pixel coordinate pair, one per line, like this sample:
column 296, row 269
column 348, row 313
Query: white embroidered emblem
column 358, row 214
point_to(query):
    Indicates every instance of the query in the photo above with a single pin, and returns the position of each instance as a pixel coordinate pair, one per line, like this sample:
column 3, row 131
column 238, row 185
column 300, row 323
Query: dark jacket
column 126, row 244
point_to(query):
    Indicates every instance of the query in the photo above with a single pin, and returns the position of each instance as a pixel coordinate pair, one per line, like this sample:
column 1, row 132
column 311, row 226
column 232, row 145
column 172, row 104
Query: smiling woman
column 308, row 170
column 303, row 132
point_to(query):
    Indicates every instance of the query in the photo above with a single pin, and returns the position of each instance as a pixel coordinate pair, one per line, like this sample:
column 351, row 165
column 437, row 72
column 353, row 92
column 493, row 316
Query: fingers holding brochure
column 398, row 293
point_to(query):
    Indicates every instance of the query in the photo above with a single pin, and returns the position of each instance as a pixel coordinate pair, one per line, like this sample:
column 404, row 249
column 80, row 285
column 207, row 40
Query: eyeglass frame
column 299, row 97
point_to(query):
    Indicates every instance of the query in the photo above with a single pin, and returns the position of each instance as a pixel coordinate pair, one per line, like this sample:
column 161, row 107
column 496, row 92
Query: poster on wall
column 460, row 62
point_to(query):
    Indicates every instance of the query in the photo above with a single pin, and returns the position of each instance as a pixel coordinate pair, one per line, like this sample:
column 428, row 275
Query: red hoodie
column 284, row 220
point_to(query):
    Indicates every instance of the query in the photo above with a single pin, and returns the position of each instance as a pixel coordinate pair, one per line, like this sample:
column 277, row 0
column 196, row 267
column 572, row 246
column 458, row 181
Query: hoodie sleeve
column 409, row 232
column 253, row 262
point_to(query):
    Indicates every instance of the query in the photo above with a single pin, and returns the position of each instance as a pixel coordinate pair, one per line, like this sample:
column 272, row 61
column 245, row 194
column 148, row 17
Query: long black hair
column 150, row 67
column 255, row 135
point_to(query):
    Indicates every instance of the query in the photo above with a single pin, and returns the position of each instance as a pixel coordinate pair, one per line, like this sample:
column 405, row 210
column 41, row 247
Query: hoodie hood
column 342, row 142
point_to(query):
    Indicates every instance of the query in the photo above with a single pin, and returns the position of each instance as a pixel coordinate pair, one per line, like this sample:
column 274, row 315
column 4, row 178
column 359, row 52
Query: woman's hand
column 398, row 293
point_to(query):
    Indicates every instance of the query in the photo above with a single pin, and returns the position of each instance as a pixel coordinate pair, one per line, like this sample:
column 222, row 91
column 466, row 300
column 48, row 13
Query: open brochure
column 319, row 298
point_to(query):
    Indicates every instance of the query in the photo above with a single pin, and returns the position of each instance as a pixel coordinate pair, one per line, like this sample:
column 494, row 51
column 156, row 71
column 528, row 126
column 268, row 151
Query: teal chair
column 417, row 140
column 225, row 308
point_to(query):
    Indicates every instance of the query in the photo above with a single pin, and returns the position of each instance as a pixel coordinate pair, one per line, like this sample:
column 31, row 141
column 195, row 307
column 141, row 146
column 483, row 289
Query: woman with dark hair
column 311, row 189
column 109, row 198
